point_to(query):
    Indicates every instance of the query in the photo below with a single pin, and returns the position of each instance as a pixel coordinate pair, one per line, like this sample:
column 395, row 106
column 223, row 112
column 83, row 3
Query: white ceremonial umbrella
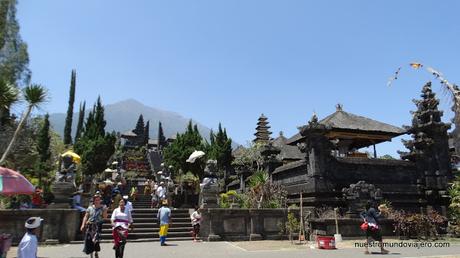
column 195, row 155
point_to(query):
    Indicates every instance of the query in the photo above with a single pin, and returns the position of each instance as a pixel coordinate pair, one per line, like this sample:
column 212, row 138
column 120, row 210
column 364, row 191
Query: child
column 196, row 221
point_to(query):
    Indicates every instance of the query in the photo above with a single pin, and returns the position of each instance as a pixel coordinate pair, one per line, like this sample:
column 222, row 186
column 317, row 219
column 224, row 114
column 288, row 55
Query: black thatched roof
column 290, row 166
column 344, row 121
column 287, row 151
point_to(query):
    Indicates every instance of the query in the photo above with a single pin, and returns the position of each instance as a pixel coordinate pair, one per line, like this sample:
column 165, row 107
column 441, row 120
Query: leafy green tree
column 454, row 207
column 95, row 145
column 24, row 156
column 43, row 148
column 220, row 148
column 250, row 158
column 14, row 58
column 81, row 120
column 68, row 119
column 35, row 95
column 9, row 94
column 179, row 151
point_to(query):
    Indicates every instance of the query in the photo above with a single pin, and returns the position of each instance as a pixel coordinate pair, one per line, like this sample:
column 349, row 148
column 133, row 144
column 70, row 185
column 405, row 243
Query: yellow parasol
column 75, row 157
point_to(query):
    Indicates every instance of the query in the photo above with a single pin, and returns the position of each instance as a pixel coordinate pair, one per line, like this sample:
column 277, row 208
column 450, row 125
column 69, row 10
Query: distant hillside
column 122, row 116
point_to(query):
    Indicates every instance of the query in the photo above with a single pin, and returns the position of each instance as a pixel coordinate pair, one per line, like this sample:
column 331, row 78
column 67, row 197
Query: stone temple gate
column 329, row 161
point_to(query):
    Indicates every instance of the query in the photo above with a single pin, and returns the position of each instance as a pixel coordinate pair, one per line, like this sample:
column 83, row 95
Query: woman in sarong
column 92, row 223
column 121, row 221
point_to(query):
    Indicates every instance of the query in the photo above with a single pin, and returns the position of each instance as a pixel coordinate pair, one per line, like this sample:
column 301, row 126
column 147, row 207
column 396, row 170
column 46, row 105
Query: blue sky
column 229, row 61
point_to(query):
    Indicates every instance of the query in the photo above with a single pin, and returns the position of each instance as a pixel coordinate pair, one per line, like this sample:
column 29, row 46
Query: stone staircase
column 146, row 227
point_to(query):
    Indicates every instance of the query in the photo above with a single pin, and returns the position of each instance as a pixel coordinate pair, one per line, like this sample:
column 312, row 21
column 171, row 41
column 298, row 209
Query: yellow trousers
column 164, row 230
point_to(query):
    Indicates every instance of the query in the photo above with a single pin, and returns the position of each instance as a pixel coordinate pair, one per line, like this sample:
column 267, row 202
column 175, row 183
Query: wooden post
column 375, row 152
column 301, row 229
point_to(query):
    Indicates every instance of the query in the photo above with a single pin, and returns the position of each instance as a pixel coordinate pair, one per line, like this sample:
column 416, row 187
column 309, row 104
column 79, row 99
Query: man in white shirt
column 161, row 191
column 28, row 246
column 128, row 204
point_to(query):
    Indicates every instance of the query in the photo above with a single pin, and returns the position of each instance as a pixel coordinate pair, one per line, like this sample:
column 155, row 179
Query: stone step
column 154, row 220
column 151, row 229
column 134, row 235
column 154, row 239
column 152, row 225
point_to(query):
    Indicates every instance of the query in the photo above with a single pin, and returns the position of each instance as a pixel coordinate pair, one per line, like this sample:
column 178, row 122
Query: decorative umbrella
column 75, row 157
column 195, row 155
column 12, row 182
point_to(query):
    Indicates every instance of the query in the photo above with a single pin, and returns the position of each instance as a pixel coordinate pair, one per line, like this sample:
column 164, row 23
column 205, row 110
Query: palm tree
column 35, row 95
column 9, row 94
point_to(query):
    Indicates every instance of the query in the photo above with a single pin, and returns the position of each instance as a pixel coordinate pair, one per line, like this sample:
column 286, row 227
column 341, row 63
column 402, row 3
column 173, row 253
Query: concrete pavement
column 256, row 249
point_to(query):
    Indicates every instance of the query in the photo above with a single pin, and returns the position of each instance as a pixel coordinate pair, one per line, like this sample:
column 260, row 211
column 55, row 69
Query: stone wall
column 58, row 224
column 257, row 224
column 242, row 224
column 348, row 227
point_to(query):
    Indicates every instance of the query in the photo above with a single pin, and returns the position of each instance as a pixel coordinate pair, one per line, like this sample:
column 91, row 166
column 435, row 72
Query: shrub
column 416, row 225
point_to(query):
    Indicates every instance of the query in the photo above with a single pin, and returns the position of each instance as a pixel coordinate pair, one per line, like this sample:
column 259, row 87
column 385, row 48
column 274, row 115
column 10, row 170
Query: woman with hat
column 121, row 221
column 94, row 217
column 28, row 246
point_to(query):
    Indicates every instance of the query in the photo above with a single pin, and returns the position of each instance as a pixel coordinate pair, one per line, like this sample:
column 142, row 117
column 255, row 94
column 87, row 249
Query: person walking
column 133, row 193
column 196, row 222
column 92, row 224
column 128, row 204
column 164, row 217
column 76, row 201
column 371, row 226
column 121, row 221
column 161, row 192
column 28, row 246
column 147, row 189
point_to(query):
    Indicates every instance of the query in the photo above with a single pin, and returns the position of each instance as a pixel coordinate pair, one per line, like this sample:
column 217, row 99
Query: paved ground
column 257, row 249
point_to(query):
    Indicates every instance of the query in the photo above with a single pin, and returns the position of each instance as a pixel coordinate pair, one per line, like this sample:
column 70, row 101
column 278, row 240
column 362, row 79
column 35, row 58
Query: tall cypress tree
column 161, row 137
column 43, row 147
column 147, row 133
column 68, row 120
column 139, row 130
column 220, row 148
column 81, row 119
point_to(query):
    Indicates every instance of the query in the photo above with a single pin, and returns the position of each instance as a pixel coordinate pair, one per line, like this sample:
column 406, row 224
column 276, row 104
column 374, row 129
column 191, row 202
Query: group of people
column 121, row 220
column 24, row 202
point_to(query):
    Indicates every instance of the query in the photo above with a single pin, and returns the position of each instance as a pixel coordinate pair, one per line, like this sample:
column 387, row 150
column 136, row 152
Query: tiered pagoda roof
column 262, row 133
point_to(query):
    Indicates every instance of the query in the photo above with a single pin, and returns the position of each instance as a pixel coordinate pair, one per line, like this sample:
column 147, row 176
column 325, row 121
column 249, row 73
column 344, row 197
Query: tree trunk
column 16, row 133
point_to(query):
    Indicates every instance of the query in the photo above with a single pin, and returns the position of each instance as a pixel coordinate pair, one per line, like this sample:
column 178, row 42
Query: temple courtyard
column 264, row 249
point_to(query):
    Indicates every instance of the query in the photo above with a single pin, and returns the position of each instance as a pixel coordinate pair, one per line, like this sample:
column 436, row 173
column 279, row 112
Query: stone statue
column 66, row 171
column 209, row 186
column 357, row 196
column 210, row 177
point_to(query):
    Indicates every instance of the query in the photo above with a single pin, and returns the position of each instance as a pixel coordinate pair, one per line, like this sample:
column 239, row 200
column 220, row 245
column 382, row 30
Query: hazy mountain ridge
column 122, row 116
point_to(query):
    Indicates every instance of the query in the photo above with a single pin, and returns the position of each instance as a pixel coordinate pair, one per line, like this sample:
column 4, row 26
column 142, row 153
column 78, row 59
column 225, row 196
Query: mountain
column 122, row 116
